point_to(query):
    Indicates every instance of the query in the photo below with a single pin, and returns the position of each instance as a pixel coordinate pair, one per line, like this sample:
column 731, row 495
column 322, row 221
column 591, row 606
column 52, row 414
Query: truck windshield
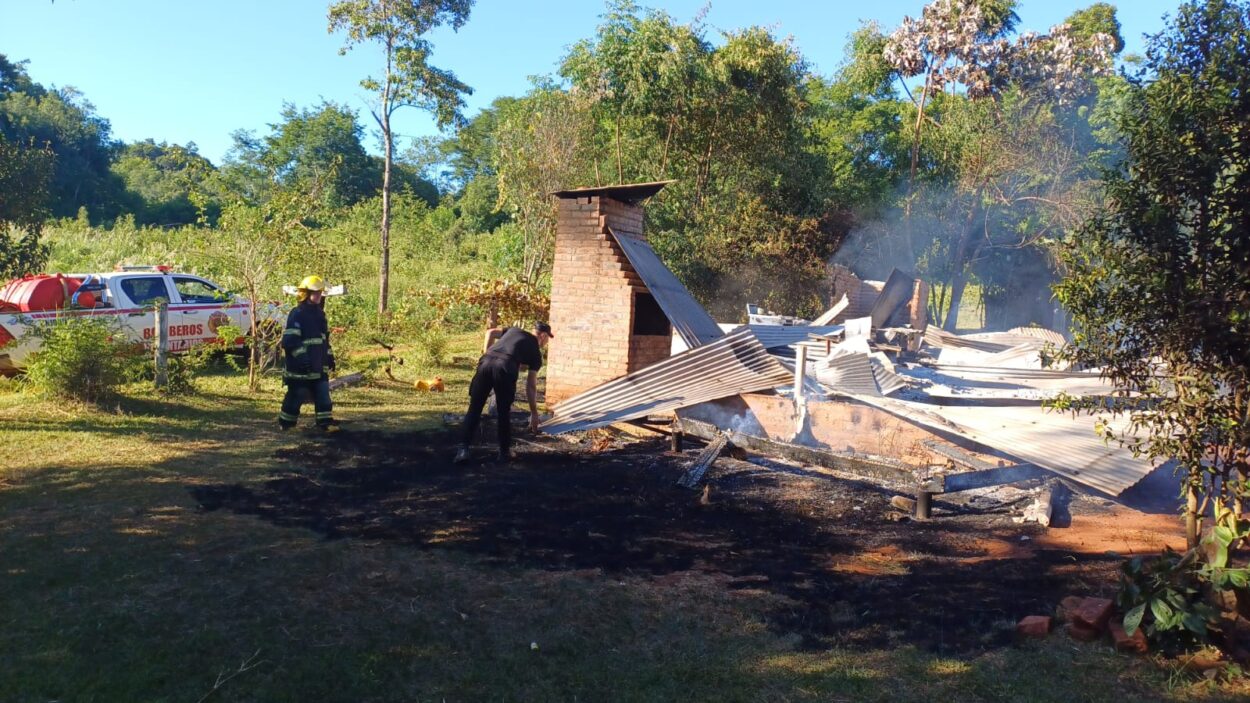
column 193, row 290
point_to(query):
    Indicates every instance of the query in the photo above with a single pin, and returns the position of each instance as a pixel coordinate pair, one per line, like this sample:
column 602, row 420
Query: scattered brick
column 1093, row 613
column 1080, row 632
column 1134, row 644
column 1034, row 626
column 1067, row 607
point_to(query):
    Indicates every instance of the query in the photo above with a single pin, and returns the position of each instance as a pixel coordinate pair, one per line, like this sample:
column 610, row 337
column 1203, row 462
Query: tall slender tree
column 408, row 79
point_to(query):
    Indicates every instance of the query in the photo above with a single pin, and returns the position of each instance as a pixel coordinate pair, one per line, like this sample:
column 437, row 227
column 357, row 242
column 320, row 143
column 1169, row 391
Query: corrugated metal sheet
column 1046, row 335
column 736, row 363
column 1056, row 441
column 774, row 336
column 690, row 320
column 937, row 337
column 897, row 290
column 887, row 381
column 849, row 374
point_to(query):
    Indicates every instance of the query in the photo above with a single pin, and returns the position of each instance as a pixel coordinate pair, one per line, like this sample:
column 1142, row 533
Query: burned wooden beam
column 867, row 467
column 694, row 475
column 953, row 483
column 348, row 380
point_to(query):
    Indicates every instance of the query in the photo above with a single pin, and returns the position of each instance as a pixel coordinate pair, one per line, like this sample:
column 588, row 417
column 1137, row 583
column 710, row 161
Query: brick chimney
column 606, row 322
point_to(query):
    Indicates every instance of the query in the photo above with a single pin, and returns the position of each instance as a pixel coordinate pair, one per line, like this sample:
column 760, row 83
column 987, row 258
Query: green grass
column 117, row 587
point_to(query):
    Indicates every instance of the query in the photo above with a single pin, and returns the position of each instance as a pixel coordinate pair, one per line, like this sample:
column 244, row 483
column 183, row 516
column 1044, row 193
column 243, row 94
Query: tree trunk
column 959, row 267
column 620, row 167
column 1191, row 513
column 388, row 146
column 384, row 276
column 254, row 350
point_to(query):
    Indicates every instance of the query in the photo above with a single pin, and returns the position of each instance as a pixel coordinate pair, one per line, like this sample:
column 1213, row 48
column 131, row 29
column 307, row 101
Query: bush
column 80, row 358
column 430, row 345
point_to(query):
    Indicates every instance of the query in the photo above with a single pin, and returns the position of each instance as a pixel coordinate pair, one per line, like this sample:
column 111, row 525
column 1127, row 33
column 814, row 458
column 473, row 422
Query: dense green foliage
column 1158, row 281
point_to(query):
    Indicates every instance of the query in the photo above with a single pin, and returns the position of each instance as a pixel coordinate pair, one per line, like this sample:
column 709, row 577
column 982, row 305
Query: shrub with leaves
column 431, row 345
column 81, row 357
column 1163, row 596
column 501, row 300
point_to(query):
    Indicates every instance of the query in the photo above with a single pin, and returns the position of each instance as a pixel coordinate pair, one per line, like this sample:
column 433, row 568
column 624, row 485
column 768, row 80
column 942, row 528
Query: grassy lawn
column 118, row 587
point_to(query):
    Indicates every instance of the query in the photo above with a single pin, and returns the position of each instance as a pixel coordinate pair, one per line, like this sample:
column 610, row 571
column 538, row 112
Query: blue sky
column 182, row 70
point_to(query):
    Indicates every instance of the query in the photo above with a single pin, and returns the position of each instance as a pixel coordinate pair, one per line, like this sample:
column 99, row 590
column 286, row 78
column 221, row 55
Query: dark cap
column 544, row 327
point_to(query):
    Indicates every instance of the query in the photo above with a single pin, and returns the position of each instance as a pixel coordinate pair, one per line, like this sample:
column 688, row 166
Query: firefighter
column 309, row 358
column 498, row 371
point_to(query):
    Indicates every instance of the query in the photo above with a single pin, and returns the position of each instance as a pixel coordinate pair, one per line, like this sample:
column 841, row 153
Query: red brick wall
column 645, row 350
column 592, row 289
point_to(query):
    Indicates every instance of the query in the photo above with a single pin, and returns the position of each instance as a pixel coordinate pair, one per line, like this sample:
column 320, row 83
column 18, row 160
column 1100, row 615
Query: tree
column 539, row 139
column 67, row 123
column 254, row 246
column 983, row 89
column 171, row 183
column 298, row 151
column 408, row 78
column 733, row 126
column 1158, row 283
column 25, row 174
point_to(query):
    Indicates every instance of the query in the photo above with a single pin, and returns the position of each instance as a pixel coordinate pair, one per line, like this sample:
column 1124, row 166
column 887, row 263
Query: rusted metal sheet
column 736, row 363
column 690, row 320
column 628, row 193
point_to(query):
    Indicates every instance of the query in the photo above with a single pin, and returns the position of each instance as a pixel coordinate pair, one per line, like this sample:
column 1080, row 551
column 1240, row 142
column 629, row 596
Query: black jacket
column 306, row 341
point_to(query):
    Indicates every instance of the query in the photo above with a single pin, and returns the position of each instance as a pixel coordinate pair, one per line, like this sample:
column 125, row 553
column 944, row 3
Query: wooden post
column 676, row 436
column 924, row 505
column 162, row 344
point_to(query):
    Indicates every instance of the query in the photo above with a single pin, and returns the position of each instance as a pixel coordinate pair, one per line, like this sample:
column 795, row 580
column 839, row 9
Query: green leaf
column 1161, row 610
column 1195, row 624
column 1239, row 578
column 1223, row 535
column 1132, row 619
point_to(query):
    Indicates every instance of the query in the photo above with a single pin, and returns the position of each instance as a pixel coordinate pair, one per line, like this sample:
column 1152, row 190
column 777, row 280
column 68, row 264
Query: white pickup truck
column 197, row 309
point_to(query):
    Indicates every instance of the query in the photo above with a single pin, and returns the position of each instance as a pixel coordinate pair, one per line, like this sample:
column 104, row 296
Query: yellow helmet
column 312, row 283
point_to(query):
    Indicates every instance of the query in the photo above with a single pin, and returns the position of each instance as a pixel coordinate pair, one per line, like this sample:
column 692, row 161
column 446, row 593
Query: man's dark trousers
column 492, row 375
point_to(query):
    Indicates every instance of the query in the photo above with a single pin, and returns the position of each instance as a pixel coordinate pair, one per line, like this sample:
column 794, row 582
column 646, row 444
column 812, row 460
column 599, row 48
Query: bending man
column 497, row 371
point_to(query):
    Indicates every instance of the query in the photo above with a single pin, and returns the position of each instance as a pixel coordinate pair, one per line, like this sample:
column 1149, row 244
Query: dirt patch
column 845, row 574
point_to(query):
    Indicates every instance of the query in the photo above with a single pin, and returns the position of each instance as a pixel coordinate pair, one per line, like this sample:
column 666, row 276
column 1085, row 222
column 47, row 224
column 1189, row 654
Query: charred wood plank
column 878, row 469
column 694, row 475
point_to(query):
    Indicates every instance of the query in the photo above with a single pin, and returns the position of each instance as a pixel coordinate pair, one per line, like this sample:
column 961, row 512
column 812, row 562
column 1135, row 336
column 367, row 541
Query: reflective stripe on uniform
column 292, row 330
column 314, row 340
column 301, row 376
column 297, row 351
column 287, row 417
column 324, row 416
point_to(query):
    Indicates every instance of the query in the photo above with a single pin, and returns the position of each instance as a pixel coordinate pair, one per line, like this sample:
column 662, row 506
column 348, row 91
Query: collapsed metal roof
column 736, row 363
column 1055, row 441
column 689, row 319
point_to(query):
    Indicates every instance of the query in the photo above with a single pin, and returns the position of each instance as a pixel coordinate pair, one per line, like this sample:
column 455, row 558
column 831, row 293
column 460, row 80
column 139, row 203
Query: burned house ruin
column 868, row 387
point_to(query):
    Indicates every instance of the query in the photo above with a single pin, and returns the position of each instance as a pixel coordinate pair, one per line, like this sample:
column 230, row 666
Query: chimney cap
column 627, row 193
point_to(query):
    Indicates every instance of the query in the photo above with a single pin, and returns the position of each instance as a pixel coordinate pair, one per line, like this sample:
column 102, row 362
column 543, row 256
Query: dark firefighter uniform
column 497, row 371
column 306, row 341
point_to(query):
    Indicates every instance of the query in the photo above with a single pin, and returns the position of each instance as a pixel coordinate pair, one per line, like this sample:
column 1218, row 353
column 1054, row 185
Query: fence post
column 162, row 344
